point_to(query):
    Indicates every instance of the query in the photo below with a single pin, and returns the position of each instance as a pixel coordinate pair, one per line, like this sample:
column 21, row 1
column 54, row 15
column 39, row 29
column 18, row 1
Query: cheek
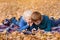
column 28, row 20
column 39, row 22
column 36, row 23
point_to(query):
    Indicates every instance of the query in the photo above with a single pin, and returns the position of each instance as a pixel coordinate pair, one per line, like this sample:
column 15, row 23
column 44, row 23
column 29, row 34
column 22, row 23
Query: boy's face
column 28, row 20
column 37, row 22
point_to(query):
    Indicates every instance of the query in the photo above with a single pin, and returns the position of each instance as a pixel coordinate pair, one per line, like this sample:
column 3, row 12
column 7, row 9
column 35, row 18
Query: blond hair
column 27, row 13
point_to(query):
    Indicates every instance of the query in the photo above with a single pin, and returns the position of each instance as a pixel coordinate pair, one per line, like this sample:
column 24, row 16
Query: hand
column 30, row 24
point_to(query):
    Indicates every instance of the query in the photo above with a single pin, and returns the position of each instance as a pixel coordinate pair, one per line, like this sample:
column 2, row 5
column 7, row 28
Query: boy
column 34, row 20
column 41, row 21
column 25, row 19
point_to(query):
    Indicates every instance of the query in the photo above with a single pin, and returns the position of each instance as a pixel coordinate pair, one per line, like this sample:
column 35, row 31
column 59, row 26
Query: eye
column 37, row 21
column 29, row 19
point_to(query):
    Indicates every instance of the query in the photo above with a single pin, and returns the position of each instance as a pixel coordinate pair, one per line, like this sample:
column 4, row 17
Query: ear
column 41, row 18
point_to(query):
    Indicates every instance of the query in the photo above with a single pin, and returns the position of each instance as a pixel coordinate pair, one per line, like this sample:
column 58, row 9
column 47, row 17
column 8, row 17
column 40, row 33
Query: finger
column 31, row 24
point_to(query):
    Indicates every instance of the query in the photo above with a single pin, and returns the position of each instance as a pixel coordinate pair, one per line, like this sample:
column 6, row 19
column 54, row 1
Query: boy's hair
column 27, row 13
column 36, row 16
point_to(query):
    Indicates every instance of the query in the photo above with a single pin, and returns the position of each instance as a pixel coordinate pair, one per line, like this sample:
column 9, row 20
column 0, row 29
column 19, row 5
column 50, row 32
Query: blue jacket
column 46, row 24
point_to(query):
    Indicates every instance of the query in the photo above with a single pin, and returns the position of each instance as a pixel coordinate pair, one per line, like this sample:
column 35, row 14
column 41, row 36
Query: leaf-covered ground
column 36, row 35
column 10, row 8
column 15, row 8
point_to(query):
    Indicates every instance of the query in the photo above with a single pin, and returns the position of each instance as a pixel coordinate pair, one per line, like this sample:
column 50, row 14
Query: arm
column 48, row 25
column 22, row 24
column 24, row 27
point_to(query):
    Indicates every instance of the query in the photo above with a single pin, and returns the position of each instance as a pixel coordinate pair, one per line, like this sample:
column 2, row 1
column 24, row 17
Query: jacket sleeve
column 23, row 25
column 48, row 25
